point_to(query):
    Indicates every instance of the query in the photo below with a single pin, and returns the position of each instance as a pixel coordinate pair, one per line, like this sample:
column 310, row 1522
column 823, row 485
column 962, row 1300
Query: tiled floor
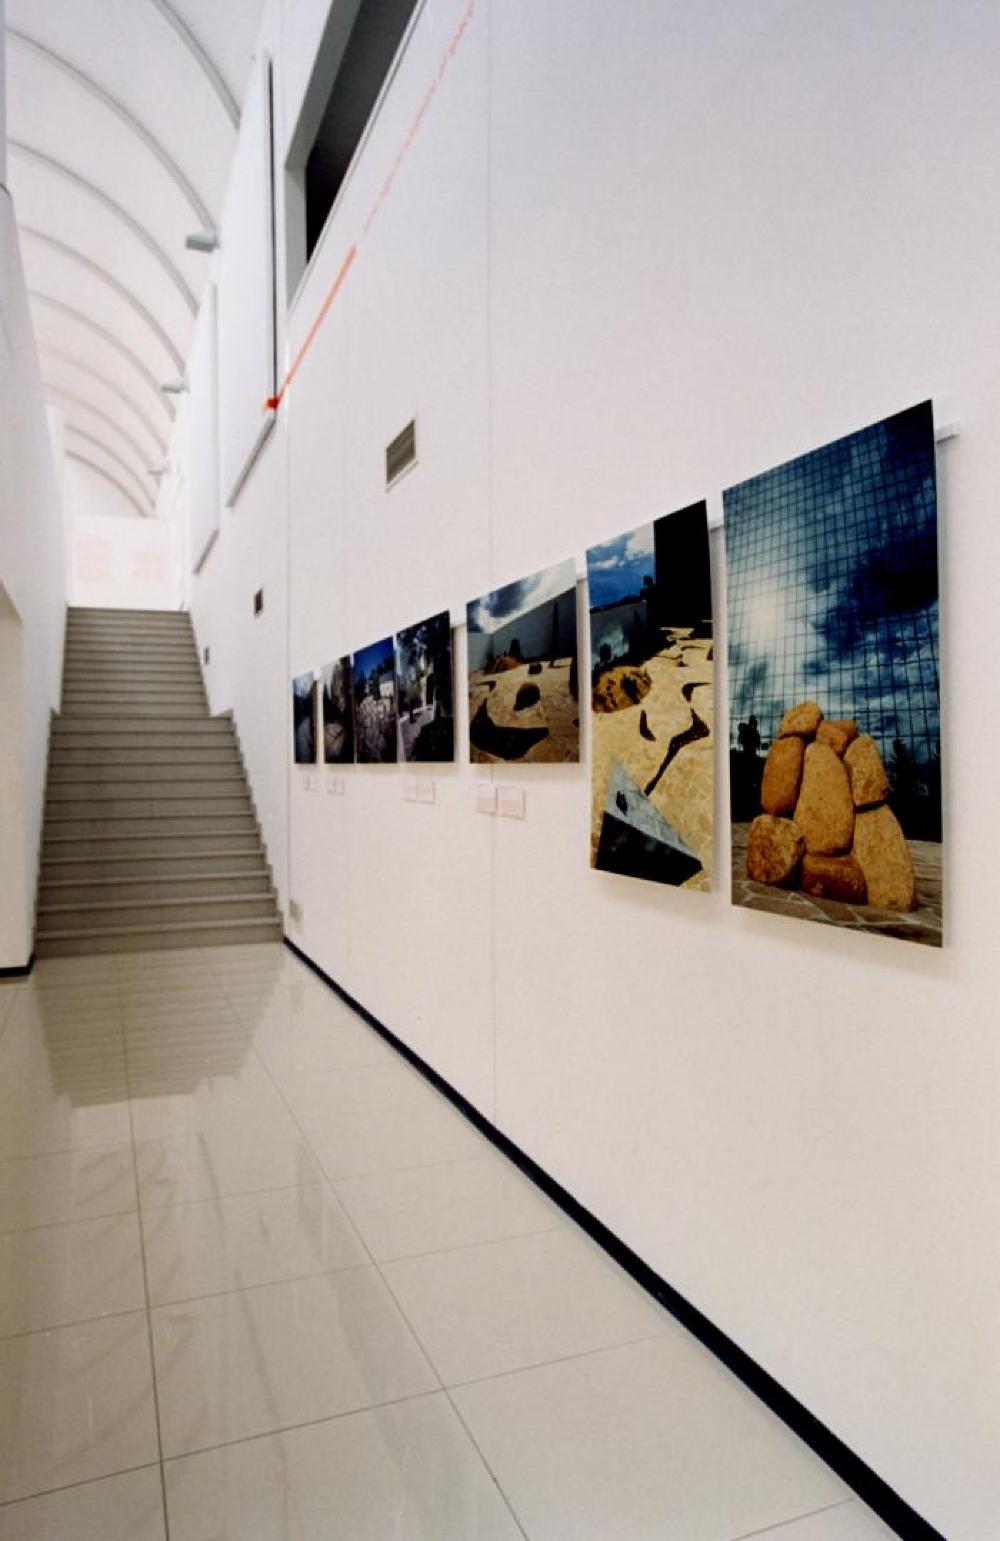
column 260, row 1283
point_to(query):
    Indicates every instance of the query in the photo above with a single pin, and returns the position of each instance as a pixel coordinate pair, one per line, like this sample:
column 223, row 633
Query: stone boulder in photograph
column 869, row 782
column 775, row 848
column 837, row 735
column 881, row 849
column 834, row 877
column 825, row 810
column 802, row 720
column 782, row 775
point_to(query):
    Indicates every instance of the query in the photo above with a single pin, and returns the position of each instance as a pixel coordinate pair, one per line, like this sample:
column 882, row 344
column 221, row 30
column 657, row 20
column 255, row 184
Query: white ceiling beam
column 120, row 289
column 59, row 357
column 202, row 58
column 91, row 438
column 58, row 393
column 50, row 302
column 85, row 460
column 144, row 135
column 58, row 168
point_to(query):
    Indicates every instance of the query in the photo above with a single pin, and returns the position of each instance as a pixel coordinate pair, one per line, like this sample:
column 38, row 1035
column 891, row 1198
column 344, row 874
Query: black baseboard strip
column 18, row 970
column 893, row 1510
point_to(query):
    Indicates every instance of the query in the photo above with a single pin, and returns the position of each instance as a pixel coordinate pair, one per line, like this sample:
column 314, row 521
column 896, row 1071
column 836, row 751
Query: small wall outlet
column 295, row 911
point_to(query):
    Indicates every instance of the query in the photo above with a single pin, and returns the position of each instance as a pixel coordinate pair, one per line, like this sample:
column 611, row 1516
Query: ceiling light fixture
column 175, row 387
column 202, row 240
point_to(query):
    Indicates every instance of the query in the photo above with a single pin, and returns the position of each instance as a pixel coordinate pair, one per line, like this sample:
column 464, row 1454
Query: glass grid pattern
column 833, row 590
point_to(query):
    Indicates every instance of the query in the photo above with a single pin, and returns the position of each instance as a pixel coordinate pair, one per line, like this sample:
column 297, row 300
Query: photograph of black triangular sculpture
column 636, row 840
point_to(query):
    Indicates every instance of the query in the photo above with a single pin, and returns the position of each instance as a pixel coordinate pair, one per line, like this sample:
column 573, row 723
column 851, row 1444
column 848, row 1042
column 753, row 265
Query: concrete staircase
column 150, row 839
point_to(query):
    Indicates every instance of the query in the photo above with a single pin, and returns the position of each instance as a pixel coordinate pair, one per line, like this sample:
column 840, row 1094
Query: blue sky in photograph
column 514, row 599
column 375, row 656
column 616, row 568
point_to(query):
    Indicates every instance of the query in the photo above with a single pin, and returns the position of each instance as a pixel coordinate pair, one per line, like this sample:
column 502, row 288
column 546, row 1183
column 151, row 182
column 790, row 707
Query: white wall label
column 486, row 797
column 426, row 790
column 510, row 802
column 410, row 789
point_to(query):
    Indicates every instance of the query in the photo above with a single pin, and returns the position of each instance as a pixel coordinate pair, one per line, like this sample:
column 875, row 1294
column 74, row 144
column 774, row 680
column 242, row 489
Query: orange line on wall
column 274, row 402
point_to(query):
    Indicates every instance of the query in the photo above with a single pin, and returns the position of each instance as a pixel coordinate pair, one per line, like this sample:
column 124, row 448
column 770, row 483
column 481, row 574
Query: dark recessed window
column 258, row 602
column 207, row 654
column 355, row 56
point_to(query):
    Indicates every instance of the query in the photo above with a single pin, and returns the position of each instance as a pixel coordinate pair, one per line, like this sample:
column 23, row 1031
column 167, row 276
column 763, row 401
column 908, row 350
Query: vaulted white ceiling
column 122, row 120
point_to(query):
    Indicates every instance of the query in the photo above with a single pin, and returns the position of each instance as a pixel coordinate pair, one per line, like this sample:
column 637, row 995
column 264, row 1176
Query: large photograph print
column 304, row 719
column 835, row 753
column 338, row 713
column 375, row 704
column 651, row 697
column 424, row 690
column 523, row 688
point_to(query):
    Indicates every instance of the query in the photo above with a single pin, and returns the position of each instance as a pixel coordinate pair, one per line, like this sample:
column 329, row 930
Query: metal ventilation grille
column 401, row 453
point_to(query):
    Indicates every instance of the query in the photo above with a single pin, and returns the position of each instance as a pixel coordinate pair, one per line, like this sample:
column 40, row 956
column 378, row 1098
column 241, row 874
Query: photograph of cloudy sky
column 523, row 670
column 835, row 751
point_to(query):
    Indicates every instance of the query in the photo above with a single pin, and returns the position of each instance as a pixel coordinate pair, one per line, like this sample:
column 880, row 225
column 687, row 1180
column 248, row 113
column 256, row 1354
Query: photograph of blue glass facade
column 833, row 602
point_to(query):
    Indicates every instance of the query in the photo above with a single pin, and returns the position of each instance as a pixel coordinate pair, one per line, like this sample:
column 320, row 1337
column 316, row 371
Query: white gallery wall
column 615, row 260
column 32, row 601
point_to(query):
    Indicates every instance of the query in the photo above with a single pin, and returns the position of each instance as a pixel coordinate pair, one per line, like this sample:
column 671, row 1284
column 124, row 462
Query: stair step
column 129, row 709
column 173, row 822
column 99, row 759
column 72, row 782
column 245, row 862
column 111, row 809
column 95, row 890
column 151, row 912
column 103, row 730
column 139, row 846
column 76, row 942
column 105, row 676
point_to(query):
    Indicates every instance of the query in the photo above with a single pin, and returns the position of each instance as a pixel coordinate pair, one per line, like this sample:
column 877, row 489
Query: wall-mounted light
column 174, row 387
column 202, row 240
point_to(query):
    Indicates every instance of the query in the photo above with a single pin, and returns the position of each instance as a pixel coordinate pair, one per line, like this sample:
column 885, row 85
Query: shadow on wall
column 15, row 905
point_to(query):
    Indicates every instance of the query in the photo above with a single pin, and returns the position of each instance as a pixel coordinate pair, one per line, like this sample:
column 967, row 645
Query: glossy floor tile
column 256, row 1360
column 483, row 1310
column 235, row 1243
column 251, row 1260
column 75, row 1403
column 408, row 1471
column 123, row 1508
column 60, row 1274
column 649, row 1440
column 434, row 1208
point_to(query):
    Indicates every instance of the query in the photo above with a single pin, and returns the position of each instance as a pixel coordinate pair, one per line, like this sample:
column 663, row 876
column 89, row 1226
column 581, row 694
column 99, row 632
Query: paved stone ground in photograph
column 922, row 925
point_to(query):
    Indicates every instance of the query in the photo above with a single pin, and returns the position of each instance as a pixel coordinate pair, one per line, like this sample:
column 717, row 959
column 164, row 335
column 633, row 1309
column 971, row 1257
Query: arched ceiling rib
column 125, row 407
column 122, row 121
column 203, row 59
column 139, row 487
column 72, row 314
column 102, row 274
column 148, row 140
column 139, row 231
column 108, row 476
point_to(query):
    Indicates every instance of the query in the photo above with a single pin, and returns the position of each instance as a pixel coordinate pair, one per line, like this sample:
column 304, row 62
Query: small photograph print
column 304, row 719
column 523, row 687
column 834, row 695
column 338, row 713
column 652, row 701
column 424, row 690
column 375, row 704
